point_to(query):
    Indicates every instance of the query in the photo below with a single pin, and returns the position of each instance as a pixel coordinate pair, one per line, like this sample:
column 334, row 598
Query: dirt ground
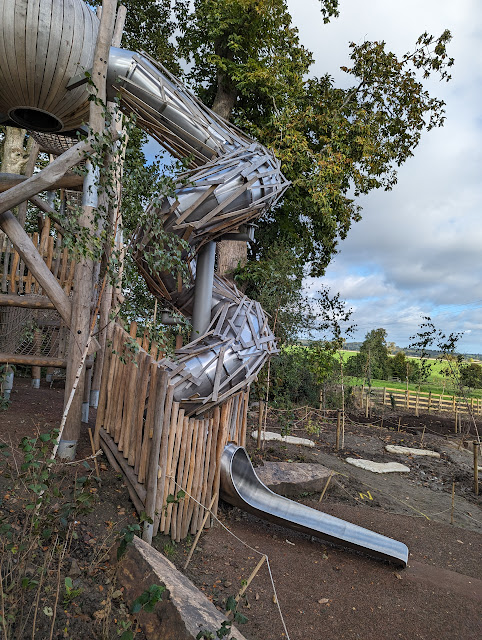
column 322, row 591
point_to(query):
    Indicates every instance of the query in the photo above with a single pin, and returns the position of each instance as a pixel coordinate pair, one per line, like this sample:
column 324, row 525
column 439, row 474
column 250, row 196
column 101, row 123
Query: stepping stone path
column 271, row 435
column 378, row 467
column 408, row 451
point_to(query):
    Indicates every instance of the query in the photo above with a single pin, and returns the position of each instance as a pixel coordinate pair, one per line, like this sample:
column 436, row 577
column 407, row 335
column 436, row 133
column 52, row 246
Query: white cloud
column 417, row 250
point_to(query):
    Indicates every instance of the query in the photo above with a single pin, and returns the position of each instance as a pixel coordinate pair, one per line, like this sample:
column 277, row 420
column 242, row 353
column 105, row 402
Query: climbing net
column 36, row 332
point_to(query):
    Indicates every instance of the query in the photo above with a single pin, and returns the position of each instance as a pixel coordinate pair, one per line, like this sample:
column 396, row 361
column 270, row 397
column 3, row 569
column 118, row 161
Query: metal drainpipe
column 203, row 293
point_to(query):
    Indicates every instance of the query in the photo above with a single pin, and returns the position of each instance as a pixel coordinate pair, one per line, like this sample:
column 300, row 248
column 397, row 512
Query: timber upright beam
column 83, row 279
column 109, row 295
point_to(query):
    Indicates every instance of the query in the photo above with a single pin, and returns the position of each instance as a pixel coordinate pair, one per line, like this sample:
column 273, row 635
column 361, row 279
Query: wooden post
column 429, row 400
column 155, row 445
column 338, row 429
column 36, row 370
column 260, row 422
column 45, row 179
column 82, row 294
column 107, row 298
column 384, row 395
column 416, row 404
column 29, row 254
column 456, row 418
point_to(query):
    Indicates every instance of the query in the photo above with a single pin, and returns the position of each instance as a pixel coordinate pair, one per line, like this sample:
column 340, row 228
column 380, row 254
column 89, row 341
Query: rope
column 248, row 547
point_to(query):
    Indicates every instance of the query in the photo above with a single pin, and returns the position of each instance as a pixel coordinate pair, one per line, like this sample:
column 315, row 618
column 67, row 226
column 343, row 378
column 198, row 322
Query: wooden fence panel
column 422, row 401
column 187, row 451
column 15, row 277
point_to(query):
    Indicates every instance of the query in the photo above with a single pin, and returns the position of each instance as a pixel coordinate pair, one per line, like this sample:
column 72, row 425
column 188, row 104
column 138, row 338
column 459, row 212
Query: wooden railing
column 420, row 400
column 159, row 450
column 15, row 277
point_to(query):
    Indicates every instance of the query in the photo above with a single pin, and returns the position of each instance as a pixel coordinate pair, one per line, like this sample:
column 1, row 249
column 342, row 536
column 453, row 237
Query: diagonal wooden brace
column 29, row 254
column 43, row 180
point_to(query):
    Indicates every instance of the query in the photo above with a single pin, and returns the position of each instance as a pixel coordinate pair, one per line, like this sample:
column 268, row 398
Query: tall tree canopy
column 244, row 58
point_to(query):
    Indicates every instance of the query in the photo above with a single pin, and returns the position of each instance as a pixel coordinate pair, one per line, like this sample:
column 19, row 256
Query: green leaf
column 231, row 604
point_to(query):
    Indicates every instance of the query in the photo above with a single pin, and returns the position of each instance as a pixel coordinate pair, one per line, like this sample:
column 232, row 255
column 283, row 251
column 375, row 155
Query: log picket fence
column 146, row 435
column 419, row 400
column 16, row 278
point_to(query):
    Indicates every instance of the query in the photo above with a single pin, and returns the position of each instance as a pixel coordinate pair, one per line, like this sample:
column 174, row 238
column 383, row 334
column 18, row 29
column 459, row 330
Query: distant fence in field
column 418, row 400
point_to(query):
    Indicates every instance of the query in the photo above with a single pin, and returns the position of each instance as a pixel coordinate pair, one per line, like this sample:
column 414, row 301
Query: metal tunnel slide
column 45, row 46
column 241, row 487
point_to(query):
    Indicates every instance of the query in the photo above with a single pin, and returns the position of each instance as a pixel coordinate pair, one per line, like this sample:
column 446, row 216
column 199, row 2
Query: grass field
column 437, row 382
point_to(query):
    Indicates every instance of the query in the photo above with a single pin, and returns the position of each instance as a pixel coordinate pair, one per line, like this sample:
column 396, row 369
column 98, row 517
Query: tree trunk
column 225, row 98
column 33, row 151
column 229, row 253
column 14, row 156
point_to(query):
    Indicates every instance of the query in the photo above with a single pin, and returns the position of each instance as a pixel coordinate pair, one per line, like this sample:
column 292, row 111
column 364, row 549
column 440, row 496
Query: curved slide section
column 241, row 487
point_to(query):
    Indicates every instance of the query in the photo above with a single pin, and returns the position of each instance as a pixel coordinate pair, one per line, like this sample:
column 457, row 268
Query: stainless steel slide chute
column 241, row 487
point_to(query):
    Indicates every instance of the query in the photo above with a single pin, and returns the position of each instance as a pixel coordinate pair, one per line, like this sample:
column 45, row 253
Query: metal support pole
column 203, row 293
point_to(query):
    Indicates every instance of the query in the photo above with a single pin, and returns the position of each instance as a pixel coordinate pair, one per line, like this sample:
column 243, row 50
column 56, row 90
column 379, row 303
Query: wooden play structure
column 171, row 425
column 163, row 422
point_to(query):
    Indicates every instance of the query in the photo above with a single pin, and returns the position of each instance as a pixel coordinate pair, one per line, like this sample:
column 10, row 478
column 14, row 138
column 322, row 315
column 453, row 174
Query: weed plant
column 41, row 501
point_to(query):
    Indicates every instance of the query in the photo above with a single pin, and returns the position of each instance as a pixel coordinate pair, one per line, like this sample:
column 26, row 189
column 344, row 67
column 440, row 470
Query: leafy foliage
column 372, row 361
column 275, row 281
column 39, row 509
column 292, row 381
column 148, row 599
column 225, row 628
column 404, row 368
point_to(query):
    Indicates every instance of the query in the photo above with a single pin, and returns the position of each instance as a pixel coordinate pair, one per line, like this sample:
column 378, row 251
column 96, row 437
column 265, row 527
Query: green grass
column 432, row 385
column 437, row 382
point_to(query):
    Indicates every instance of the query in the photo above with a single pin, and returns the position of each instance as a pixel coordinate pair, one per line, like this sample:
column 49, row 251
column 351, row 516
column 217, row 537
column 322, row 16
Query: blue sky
column 417, row 250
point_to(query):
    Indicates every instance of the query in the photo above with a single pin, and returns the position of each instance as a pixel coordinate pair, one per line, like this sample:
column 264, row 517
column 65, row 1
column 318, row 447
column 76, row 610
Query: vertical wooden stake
column 159, row 393
column 423, row 435
column 260, row 422
column 338, row 429
column 399, row 420
column 326, row 486
column 456, row 419
column 198, row 534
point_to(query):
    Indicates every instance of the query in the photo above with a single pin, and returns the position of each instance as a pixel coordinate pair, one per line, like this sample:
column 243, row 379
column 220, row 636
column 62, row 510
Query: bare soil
column 323, row 592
